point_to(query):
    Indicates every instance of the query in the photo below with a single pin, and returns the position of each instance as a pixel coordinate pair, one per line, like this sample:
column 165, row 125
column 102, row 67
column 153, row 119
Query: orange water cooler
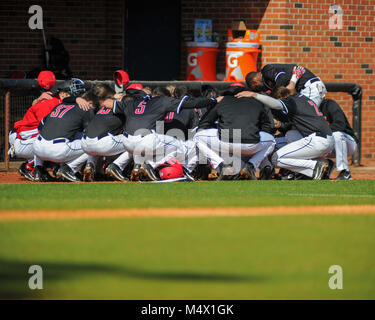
column 241, row 55
column 201, row 61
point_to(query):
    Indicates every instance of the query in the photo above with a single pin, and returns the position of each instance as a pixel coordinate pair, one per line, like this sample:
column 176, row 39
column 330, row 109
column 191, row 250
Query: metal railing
column 16, row 96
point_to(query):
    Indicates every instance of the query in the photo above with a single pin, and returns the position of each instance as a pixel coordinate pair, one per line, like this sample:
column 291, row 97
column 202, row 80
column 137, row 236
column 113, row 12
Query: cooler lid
column 242, row 45
column 202, row 44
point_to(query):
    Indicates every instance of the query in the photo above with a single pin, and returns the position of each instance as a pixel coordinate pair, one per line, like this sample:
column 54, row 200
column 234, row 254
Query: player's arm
column 187, row 102
column 297, row 73
column 336, row 115
column 43, row 96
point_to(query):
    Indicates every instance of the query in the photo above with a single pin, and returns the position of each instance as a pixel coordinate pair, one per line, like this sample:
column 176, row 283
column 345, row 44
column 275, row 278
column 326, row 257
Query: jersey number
column 60, row 111
column 316, row 108
column 141, row 108
column 103, row 110
column 169, row 116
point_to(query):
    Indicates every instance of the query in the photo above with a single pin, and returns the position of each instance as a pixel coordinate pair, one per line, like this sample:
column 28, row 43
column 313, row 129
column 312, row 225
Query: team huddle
column 281, row 124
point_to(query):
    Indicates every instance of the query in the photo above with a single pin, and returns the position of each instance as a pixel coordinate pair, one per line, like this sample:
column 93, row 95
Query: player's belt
column 312, row 80
column 59, row 140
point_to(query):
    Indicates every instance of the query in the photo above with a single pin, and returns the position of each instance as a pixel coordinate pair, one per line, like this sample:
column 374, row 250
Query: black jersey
column 64, row 121
column 246, row 114
column 305, row 116
column 143, row 113
column 185, row 120
column 104, row 122
column 276, row 75
column 336, row 117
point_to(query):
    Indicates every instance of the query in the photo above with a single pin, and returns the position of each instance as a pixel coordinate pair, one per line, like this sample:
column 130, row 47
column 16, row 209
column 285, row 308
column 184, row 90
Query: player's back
column 104, row 122
column 65, row 120
column 306, row 116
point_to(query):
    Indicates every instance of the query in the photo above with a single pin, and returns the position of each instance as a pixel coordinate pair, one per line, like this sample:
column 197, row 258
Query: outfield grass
column 202, row 194
column 260, row 257
column 278, row 257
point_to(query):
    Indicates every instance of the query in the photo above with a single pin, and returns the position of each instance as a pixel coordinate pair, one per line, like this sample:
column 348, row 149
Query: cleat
column 215, row 173
column 320, row 169
column 67, row 173
column 114, row 171
column 148, row 172
column 39, row 174
column 226, row 173
column 248, row 172
column 266, row 173
column 331, row 164
column 344, row 175
column 89, row 172
column 136, row 173
column 187, row 175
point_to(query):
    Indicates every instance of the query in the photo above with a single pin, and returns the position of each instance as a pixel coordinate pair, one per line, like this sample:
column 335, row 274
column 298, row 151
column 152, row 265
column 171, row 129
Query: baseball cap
column 121, row 78
column 135, row 86
column 237, row 84
column 46, row 80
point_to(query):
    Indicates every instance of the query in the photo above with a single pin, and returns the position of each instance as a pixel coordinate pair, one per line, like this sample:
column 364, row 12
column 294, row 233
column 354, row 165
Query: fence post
column 6, row 135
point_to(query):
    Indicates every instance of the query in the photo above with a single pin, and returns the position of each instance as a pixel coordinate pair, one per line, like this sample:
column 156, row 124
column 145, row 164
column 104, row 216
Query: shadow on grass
column 14, row 276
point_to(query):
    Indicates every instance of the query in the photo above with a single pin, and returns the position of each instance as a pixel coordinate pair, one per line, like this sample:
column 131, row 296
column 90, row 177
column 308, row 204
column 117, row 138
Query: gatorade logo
column 233, row 59
column 192, row 59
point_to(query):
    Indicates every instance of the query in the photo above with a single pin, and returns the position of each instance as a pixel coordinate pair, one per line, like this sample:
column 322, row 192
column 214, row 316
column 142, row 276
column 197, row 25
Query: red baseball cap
column 46, row 80
column 237, row 84
column 136, row 86
column 121, row 78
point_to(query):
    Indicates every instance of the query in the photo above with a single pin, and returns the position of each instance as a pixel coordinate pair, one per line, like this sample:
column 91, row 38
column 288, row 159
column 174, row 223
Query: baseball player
column 102, row 136
column 317, row 141
column 241, row 124
column 26, row 130
column 141, row 117
column 59, row 140
column 273, row 76
column 345, row 139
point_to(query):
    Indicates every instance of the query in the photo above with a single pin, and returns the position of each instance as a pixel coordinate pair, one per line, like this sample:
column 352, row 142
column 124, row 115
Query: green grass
column 203, row 194
column 264, row 257
column 278, row 257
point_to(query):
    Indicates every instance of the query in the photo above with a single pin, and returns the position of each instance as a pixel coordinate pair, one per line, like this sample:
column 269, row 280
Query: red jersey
column 28, row 127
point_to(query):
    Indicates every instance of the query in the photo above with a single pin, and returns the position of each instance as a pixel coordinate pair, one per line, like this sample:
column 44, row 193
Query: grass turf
column 278, row 257
column 203, row 194
column 273, row 257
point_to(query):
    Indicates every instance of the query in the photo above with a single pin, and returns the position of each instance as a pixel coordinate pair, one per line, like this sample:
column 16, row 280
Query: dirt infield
column 358, row 173
column 182, row 212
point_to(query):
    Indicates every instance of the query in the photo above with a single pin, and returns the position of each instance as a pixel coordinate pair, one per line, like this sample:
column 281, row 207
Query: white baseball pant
column 218, row 151
column 314, row 90
column 60, row 150
column 345, row 146
column 299, row 155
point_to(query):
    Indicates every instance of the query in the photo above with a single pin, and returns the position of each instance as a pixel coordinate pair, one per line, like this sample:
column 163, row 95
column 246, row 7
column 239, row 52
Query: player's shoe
column 187, row 175
column 89, row 172
column 215, row 173
column 331, row 164
column 114, row 171
column 149, row 172
column 39, row 174
column 136, row 173
column 226, row 172
column 67, row 173
column 344, row 175
column 25, row 172
column 248, row 172
column 320, row 169
column 266, row 173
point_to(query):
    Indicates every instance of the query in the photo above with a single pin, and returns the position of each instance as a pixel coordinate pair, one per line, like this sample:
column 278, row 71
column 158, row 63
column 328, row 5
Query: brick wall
column 298, row 32
column 92, row 33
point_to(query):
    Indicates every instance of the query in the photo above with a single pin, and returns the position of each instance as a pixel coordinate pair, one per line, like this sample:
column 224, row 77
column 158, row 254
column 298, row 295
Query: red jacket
column 28, row 127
